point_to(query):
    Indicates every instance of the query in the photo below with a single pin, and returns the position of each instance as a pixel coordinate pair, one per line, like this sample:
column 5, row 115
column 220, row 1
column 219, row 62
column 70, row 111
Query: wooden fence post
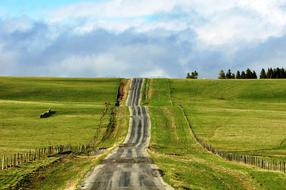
column 3, row 162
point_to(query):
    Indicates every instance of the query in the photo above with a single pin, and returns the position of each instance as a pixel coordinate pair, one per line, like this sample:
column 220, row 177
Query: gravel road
column 129, row 166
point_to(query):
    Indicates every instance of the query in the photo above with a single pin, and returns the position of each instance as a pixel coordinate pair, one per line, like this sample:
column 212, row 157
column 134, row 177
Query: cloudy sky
column 147, row 38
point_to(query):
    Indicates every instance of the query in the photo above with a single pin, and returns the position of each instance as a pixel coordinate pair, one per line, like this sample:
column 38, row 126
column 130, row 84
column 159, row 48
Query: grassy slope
column 185, row 163
column 68, row 173
column 79, row 104
column 237, row 115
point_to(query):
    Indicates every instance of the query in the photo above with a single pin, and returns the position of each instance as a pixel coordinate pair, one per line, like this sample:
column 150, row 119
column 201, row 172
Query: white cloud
column 145, row 38
column 216, row 22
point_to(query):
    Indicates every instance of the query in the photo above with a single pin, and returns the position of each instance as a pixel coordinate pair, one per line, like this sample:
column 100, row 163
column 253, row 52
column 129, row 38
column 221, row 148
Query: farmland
column 79, row 119
column 232, row 115
column 237, row 116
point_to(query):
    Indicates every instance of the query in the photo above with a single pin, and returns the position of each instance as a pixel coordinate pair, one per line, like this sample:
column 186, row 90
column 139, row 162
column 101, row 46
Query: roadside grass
column 12, row 179
column 244, row 126
column 79, row 103
column 68, row 173
column 188, row 166
column 236, row 115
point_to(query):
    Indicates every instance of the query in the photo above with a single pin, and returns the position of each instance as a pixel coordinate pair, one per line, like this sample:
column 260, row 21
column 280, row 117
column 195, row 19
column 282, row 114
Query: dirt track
column 129, row 167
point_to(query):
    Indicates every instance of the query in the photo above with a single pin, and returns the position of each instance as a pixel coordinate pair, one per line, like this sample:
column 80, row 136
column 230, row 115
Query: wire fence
column 18, row 159
column 258, row 161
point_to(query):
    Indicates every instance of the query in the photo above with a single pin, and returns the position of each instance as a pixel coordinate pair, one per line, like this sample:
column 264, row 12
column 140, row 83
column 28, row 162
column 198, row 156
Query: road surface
column 129, row 167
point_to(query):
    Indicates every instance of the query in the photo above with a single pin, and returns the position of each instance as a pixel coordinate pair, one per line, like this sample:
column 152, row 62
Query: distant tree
column 263, row 74
column 193, row 75
column 238, row 76
column 277, row 73
column 281, row 73
column 232, row 76
column 243, row 75
column 248, row 74
column 221, row 74
column 274, row 74
column 269, row 73
column 254, row 75
column 228, row 74
column 251, row 74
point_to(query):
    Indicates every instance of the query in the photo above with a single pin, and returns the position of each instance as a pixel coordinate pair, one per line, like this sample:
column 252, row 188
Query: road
column 129, row 166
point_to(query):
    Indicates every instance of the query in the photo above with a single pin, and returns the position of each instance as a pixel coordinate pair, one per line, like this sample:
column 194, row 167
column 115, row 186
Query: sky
column 147, row 38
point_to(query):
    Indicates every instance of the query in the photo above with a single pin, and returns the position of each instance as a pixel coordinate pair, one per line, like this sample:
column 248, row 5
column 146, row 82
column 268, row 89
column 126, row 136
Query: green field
column 246, row 116
column 79, row 103
column 237, row 115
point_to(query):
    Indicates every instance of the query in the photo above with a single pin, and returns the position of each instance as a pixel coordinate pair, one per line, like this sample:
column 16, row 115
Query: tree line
column 193, row 75
column 276, row 73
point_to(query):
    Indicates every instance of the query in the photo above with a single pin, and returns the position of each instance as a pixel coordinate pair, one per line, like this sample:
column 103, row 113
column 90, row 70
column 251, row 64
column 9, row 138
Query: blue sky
column 126, row 38
column 35, row 9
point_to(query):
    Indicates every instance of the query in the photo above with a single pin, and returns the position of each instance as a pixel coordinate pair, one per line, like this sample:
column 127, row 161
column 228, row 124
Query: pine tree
column 232, row 76
column 263, row 74
column 243, row 75
column 228, row 74
column 254, row 75
column 278, row 73
column 269, row 73
column 238, row 76
column 221, row 74
column 274, row 75
column 195, row 75
column 248, row 74
column 283, row 73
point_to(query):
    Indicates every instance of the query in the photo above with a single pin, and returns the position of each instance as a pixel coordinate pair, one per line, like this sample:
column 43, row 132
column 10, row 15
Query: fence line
column 14, row 160
column 17, row 159
column 264, row 163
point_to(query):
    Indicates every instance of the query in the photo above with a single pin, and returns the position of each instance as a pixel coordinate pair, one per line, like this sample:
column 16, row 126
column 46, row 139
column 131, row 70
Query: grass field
column 237, row 115
column 230, row 115
column 79, row 103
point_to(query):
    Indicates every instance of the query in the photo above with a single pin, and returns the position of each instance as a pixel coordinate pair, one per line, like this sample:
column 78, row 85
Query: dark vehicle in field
column 47, row 113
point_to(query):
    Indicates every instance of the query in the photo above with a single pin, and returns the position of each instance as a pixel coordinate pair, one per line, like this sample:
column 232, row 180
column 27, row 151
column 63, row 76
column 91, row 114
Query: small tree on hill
column 193, row 75
column 269, row 73
column 283, row 73
column 232, row 76
column 221, row 74
column 254, row 75
column 249, row 74
column 263, row 74
column 238, row 76
column 243, row 75
column 228, row 74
